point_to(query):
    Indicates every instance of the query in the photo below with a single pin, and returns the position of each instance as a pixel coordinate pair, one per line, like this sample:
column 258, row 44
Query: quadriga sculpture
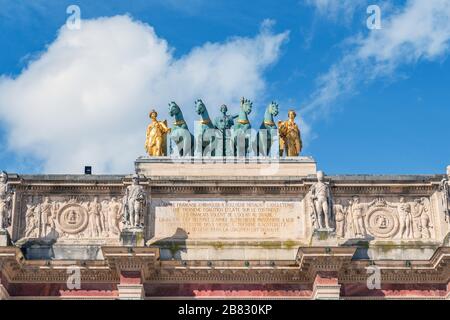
column 268, row 130
column 204, row 131
column 241, row 129
column 224, row 125
column 180, row 134
column 228, row 135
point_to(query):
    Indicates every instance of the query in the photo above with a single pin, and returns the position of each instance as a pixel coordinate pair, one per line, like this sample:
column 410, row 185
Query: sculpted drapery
column 155, row 142
column 290, row 140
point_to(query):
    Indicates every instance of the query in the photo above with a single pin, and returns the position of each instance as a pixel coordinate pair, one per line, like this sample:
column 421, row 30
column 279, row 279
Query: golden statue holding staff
column 290, row 140
column 156, row 142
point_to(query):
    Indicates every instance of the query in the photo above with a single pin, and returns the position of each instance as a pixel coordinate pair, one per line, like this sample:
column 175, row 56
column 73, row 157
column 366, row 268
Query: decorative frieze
column 99, row 211
column 73, row 219
column 399, row 219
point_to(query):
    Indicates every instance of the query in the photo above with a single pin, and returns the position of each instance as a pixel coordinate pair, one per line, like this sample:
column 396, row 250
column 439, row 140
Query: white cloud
column 337, row 9
column 86, row 99
column 418, row 31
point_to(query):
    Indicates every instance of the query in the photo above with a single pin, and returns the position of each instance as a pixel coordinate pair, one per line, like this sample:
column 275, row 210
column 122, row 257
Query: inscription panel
column 228, row 219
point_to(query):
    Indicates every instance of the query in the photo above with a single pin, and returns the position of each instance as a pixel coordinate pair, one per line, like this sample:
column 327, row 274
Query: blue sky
column 386, row 112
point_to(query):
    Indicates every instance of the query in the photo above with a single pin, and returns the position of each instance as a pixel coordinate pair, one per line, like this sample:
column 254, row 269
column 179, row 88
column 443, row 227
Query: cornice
column 309, row 262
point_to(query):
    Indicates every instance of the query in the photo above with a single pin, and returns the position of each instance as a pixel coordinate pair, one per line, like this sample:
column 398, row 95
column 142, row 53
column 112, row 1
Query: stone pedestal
column 4, row 238
column 324, row 237
column 225, row 167
column 133, row 237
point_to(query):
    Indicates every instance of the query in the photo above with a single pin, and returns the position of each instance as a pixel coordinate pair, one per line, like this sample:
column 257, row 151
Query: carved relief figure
column 47, row 218
column 104, row 218
column 290, row 139
column 425, row 225
column 94, row 210
column 5, row 201
column 38, row 217
column 134, row 204
column 350, row 228
column 357, row 210
column 32, row 222
column 155, row 143
column 320, row 201
column 404, row 217
column 417, row 210
column 73, row 218
column 340, row 212
column 421, row 219
column 445, row 191
column 114, row 213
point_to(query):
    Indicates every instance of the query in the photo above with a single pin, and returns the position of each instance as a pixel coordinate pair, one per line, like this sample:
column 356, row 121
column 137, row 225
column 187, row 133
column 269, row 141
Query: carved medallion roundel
column 72, row 218
column 381, row 222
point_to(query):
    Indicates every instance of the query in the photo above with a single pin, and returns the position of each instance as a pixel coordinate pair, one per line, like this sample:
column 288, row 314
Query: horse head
column 272, row 108
column 174, row 109
column 200, row 107
column 246, row 105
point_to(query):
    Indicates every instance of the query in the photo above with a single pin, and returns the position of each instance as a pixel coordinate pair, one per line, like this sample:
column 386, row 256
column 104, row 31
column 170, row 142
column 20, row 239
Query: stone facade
column 222, row 229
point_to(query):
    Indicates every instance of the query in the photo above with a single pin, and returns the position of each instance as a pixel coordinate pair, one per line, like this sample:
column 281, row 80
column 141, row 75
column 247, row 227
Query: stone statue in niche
column 134, row 203
column 321, row 205
column 5, row 201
